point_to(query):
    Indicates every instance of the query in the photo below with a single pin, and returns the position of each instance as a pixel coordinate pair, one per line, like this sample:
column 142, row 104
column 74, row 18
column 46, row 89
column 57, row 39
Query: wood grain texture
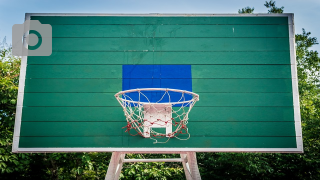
column 139, row 142
column 73, row 85
column 207, row 99
column 67, row 129
column 116, row 114
column 242, row 85
column 170, row 31
column 193, row 58
column 170, row 44
column 245, row 99
column 74, row 71
column 199, row 85
column 198, row 71
column 241, row 71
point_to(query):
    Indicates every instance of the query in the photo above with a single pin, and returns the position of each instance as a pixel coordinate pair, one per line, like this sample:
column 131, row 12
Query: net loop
column 146, row 115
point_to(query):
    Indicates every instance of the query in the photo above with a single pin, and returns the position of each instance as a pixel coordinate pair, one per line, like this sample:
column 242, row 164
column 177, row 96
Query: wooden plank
column 207, row 99
column 198, row 71
column 170, row 31
column 221, row 44
column 158, row 20
column 132, row 142
column 70, row 99
column 81, row 142
column 198, row 85
column 245, row 99
column 170, row 44
column 46, row 114
column 241, row 71
column 218, row 142
column 237, row 114
column 110, row 114
column 67, row 129
column 241, row 128
column 74, row 71
column 241, row 85
column 64, row 129
column 270, row 57
column 73, row 85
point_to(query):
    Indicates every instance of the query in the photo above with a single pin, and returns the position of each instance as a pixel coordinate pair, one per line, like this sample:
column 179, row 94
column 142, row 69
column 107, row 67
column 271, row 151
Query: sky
column 12, row 12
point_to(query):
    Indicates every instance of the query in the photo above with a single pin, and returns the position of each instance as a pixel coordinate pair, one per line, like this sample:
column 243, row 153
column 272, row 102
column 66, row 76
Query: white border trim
column 295, row 90
column 297, row 117
column 162, row 150
column 160, row 14
column 22, row 78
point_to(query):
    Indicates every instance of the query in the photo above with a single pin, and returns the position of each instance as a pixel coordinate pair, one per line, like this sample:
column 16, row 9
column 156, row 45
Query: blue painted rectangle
column 157, row 76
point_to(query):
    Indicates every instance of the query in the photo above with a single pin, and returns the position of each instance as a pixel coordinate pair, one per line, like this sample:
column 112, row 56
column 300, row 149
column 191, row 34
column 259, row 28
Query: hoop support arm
column 188, row 159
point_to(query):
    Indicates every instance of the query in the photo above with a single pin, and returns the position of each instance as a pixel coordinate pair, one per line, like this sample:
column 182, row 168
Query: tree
column 308, row 63
column 307, row 60
column 246, row 10
column 273, row 9
column 9, row 66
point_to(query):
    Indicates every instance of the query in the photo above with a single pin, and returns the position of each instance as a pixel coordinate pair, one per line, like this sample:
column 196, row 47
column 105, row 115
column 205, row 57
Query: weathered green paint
column 199, row 85
column 170, row 44
column 241, row 71
column 208, row 99
column 270, row 57
column 170, row 31
column 73, row 85
column 240, row 67
column 139, row 142
column 111, row 114
column 198, row 71
column 79, row 129
column 74, row 71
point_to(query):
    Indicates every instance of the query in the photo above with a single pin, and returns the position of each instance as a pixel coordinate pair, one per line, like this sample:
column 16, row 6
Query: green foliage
column 12, row 166
column 9, row 73
column 76, row 165
column 246, row 10
column 257, row 166
column 308, row 63
column 154, row 170
column 235, row 165
column 8, row 84
column 273, row 9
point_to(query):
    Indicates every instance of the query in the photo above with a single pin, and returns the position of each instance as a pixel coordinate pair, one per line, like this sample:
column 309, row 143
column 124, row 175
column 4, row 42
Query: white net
column 157, row 112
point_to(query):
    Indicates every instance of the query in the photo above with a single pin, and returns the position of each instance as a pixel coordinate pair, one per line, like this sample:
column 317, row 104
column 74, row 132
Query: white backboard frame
column 296, row 104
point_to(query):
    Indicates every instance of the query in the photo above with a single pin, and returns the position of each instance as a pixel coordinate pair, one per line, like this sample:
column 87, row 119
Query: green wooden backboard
column 242, row 66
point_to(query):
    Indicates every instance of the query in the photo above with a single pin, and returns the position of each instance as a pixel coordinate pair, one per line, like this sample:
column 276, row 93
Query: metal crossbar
column 188, row 159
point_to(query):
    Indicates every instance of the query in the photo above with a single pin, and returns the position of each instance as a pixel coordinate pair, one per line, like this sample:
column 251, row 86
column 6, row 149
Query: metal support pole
column 193, row 165
column 186, row 167
column 188, row 159
column 115, row 166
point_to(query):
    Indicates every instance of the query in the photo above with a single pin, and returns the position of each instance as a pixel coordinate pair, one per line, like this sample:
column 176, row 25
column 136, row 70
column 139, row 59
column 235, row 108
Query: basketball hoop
column 149, row 110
